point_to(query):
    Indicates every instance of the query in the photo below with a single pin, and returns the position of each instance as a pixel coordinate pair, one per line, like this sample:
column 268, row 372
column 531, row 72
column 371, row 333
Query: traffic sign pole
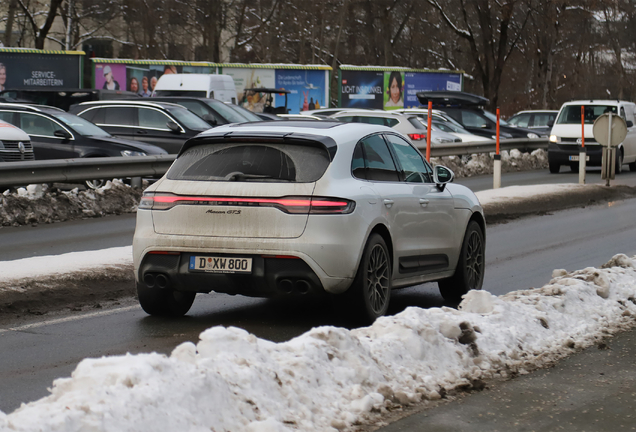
column 496, row 183
column 582, row 151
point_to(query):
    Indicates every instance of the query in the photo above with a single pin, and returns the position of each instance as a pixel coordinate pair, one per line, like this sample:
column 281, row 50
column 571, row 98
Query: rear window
column 253, row 162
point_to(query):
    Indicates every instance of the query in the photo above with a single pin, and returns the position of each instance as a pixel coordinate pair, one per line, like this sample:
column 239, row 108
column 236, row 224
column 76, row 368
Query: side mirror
column 173, row 127
column 442, row 176
column 62, row 134
column 629, row 123
column 210, row 119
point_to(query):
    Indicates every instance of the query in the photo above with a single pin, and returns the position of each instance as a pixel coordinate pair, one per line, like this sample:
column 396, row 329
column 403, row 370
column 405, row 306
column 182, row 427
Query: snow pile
column 482, row 163
column 331, row 378
column 37, row 204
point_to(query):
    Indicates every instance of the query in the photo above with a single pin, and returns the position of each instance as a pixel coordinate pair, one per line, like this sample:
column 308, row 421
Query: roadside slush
column 593, row 390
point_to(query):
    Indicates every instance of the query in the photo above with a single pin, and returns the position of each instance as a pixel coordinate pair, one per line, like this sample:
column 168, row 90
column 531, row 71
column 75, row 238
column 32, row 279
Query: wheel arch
column 479, row 218
column 383, row 232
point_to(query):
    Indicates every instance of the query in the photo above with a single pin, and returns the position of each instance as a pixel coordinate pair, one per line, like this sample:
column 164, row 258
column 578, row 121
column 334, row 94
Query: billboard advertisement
column 308, row 89
column 37, row 70
column 362, row 89
column 428, row 81
column 139, row 78
column 393, row 90
column 246, row 78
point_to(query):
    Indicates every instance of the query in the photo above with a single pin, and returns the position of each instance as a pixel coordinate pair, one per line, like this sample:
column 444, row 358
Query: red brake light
column 417, row 137
column 291, row 205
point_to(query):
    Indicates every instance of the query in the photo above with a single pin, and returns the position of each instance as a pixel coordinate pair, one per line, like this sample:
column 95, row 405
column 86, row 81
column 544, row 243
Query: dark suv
column 213, row 111
column 56, row 134
column 466, row 109
column 164, row 124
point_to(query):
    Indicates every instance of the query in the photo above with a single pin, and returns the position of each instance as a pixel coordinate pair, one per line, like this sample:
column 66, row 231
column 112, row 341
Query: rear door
column 432, row 221
column 120, row 121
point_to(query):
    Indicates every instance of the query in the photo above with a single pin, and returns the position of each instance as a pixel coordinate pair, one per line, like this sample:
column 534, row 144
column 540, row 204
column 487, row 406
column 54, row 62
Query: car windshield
column 81, row 126
column 450, row 128
column 245, row 112
column 493, row 118
column 571, row 114
column 188, row 119
column 227, row 112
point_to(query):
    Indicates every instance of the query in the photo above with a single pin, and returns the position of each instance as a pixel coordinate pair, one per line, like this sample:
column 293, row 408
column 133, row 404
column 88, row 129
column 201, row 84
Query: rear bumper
column 270, row 277
column 560, row 153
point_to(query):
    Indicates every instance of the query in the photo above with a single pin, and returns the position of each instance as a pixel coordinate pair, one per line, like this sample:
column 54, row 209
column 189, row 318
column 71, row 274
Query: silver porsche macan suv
column 305, row 207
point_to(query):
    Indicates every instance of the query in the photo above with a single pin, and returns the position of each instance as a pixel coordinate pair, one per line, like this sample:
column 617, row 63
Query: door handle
column 388, row 203
column 142, row 132
column 423, row 202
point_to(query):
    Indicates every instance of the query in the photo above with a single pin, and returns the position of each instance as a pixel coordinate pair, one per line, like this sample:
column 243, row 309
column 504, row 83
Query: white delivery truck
column 212, row 86
column 566, row 137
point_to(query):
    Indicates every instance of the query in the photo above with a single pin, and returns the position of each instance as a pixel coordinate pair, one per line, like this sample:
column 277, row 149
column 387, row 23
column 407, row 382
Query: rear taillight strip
column 295, row 205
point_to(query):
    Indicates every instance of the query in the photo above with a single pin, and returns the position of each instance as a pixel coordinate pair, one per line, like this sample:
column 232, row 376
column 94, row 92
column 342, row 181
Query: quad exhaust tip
column 156, row 280
column 302, row 286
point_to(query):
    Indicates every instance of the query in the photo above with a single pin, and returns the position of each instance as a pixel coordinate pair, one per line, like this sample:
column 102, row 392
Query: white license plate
column 576, row 158
column 214, row 264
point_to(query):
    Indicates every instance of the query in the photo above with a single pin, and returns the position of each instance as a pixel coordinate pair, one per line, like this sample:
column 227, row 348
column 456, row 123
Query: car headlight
column 132, row 153
column 533, row 135
column 554, row 138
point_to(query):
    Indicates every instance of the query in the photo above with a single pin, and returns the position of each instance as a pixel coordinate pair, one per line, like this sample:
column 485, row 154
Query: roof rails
column 33, row 107
column 158, row 104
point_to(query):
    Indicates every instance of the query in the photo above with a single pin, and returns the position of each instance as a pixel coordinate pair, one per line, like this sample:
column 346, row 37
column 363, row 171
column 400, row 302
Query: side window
column 6, row 117
column 413, row 165
column 150, row 118
column 622, row 113
column 390, row 122
column 357, row 163
column 378, row 160
column 119, row 116
column 522, row 120
column 471, row 119
column 371, row 120
column 37, row 125
column 345, row 119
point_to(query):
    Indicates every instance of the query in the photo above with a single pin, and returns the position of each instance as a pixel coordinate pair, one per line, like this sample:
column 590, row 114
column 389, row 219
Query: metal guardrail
column 79, row 170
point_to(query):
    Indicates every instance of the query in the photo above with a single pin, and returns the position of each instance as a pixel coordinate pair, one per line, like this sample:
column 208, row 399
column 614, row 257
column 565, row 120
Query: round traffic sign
column 601, row 126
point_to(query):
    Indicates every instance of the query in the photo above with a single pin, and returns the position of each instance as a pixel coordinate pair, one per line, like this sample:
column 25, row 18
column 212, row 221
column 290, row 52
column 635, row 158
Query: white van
column 212, row 86
column 565, row 137
column 15, row 144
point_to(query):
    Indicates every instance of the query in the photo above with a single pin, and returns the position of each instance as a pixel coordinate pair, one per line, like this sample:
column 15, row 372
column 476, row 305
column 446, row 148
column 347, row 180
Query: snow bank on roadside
column 37, row 204
column 331, row 378
column 46, row 266
column 482, row 163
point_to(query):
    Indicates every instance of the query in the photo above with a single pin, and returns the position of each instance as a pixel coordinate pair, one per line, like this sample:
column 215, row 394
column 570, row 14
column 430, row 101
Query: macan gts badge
column 294, row 208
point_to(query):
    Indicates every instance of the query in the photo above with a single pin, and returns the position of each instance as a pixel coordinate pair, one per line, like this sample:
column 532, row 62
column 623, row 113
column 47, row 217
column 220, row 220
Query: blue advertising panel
column 307, row 87
column 362, row 89
column 22, row 70
column 428, row 81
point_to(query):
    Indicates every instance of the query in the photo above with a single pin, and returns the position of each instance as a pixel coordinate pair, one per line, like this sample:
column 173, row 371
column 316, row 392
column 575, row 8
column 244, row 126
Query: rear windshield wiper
column 239, row 176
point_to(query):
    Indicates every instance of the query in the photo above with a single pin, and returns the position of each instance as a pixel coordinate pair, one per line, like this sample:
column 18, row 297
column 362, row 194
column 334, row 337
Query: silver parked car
column 294, row 208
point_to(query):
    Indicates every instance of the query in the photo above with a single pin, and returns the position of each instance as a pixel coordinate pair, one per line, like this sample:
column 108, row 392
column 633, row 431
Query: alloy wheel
column 474, row 259
column 378, row 278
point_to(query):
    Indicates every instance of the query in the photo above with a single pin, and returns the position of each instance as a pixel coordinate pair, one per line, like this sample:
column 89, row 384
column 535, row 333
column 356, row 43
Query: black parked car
column 56, row 134
column 164, row 124
column 213, row 111
column 466, row 108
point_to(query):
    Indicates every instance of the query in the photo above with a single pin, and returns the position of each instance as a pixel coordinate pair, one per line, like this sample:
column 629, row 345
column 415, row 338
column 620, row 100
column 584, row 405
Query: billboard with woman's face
column 138, row 77
column 38, row 70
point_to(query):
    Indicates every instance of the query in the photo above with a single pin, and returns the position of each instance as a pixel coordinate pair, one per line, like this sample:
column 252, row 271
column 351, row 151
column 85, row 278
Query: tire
column 95, row 184
column 619, row 162
column 554, row 167
column 469, row 274
column 370, row 292
column 164, row 302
